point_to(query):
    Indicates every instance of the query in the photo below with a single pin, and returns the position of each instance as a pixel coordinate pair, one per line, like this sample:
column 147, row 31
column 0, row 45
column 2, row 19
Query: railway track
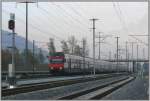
column 98, row 92
column 52, row 84
column 27, row 75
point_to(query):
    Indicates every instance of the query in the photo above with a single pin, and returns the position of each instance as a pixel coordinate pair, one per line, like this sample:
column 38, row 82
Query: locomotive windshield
column 57, row 57
column 57, row 60
column 57, row 54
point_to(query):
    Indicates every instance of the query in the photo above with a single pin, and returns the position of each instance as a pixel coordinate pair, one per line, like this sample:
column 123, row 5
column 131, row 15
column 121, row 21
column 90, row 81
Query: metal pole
column 11, row 69
column 33, row 54
column 126, row 50
column 93, row 44
column 137, row 57
column 127, row 54
column 137, row 51
column 84, row 54
column 149, row 37
column 99, row 46
column 109, row 55
column 117, row 52
column 26, row 50
column 13, row 50
column 132, row 50
column 128, row 63
column 143, row 53
column 12, row 80
column 1, row 33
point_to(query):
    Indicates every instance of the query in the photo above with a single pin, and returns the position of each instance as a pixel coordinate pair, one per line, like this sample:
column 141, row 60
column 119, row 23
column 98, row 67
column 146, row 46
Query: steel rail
column 77, row 94
column 52, row 84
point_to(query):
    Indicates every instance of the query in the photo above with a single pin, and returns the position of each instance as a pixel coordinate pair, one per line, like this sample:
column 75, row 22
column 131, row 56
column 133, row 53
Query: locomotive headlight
column 60, row 68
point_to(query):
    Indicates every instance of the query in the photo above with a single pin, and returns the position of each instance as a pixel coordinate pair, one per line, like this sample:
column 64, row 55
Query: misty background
column 59, row 20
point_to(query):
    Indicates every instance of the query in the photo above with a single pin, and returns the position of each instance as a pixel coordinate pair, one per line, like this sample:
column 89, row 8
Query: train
column 67, row 63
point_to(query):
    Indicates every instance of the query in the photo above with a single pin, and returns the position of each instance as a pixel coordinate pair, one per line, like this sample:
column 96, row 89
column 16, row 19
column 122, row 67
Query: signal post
column 11, row 67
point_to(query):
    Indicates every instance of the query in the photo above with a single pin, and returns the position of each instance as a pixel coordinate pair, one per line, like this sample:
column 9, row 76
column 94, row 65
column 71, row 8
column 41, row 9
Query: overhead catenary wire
column 140, row 41
column 73, row 19
column 38, row 29
column 52, row 27
column 33, row 26
column 122, row 20
column 70, row 15
column 45, row 22
column 78, row 27
column 120, row 17
column 78, row 14
column 66, row 23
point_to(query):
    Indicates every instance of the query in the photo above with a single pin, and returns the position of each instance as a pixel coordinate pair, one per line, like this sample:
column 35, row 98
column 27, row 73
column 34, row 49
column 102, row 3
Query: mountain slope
column 19, row 41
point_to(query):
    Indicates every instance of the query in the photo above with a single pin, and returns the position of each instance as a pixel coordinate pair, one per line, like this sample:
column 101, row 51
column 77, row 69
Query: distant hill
column 6, row 41
column 19, row 41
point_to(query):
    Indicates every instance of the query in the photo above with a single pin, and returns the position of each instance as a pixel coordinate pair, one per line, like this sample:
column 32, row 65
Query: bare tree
column 85, row 52
column 51, row 46
column 41, row 56
column 72, row 44
column 64, row 47
column 77, row 50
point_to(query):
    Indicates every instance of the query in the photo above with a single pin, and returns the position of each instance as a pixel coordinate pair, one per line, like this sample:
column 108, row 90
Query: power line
column 66, row 22
column 75, row 19
column 45, row 22
column 79, row 14
column 139, row 40
column 42, row 31
column 32, row 25
column 139, row 35
column 124, row 24
column 120, row 18
column 54, row 23
column 69, row 15
column 38, row 28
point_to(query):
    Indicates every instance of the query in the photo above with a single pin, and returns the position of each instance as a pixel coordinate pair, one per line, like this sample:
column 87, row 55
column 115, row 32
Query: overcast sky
column 59, row 20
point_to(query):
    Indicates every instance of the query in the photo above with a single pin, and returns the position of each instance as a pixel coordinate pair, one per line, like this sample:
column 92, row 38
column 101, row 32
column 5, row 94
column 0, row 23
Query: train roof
column 87, row 58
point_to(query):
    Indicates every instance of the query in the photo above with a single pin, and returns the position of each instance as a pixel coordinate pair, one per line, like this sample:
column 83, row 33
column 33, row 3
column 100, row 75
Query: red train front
column 56, row 62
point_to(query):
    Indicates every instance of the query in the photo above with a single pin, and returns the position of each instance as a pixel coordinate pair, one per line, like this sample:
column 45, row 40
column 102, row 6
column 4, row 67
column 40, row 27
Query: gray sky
column 62, row 19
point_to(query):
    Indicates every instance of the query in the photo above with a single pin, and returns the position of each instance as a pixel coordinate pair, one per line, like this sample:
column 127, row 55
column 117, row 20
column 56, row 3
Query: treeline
column 71, row 46
column 6, row 55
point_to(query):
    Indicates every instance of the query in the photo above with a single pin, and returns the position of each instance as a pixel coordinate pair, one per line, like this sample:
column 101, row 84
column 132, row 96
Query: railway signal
column 11, row 24
column 11, row 75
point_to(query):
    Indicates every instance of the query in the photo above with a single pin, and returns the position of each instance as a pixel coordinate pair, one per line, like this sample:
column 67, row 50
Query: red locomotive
column 56, row 62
